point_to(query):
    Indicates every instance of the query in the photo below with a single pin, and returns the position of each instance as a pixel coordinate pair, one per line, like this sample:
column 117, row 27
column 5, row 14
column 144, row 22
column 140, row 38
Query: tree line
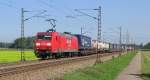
column 146, row 46
column 28, row 43
column 5, row 45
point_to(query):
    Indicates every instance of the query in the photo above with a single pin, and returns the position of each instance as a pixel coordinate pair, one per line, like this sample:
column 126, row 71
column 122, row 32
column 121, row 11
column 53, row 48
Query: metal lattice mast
column 22, row 46
column 99, row 25
column 99, row 28
column 98, row 35
column 120, row 40
column 22, row 35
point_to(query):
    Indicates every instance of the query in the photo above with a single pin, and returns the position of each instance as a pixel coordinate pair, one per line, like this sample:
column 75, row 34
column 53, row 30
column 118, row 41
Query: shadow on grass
column 142, row 75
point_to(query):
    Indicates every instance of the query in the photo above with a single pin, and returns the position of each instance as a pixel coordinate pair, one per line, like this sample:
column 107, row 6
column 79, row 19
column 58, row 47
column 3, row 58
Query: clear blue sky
column 132, row 15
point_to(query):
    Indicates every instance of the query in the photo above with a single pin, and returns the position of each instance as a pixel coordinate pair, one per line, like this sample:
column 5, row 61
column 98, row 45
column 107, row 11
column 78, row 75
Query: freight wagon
column 84, row 44
column 101, row 46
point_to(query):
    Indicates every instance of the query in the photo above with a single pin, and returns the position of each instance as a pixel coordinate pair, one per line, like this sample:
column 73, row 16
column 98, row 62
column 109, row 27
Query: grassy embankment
column 14, row 56
column 105, row 71
column 146, row 65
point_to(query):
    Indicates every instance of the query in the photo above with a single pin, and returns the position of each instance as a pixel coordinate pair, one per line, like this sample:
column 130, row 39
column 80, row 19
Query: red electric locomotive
column 55, row 44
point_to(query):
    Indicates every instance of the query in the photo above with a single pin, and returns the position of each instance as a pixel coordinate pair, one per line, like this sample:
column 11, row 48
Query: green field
column 105, row 71
column 146, row 65
column 14, row 56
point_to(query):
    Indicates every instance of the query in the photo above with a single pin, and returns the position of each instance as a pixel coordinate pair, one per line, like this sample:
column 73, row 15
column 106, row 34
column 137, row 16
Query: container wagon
column 84, row 44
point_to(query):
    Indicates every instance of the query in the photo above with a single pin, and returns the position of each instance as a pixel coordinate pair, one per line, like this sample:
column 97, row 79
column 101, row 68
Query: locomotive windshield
column 44, row 37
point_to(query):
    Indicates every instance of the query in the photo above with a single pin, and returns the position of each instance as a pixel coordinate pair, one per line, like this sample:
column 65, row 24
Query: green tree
column 147, row 46
column 28, row 43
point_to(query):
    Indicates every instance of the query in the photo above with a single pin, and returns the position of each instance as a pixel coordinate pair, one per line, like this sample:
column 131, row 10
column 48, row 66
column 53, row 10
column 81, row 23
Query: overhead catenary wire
column 67, row 8
column 61, row 11
column 78, row 10
column 73, row 15
column 36, row 15
column 79, row 20
column 9, row 5
column 52, row 7
column 71, row 11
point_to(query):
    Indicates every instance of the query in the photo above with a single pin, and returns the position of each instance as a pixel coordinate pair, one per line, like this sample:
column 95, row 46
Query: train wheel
column 79, row 54
column 43, row 57
column 49, row 55
column 66, row 54
column 57, row 55
column 70, row 54
column 53, row 56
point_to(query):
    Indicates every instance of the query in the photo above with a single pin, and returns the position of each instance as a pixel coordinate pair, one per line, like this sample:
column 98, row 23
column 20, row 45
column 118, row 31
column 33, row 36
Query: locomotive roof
column 43, row 33
column 48, row 33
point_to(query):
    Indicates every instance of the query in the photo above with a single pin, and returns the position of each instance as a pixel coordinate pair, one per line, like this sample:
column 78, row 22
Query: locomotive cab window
column 43, row 37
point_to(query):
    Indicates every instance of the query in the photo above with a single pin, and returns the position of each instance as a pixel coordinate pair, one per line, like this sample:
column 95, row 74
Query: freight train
column 55, row 44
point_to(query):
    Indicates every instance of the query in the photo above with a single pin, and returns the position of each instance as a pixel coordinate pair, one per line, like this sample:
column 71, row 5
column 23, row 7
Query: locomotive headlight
column 37, row 44
column 48, row 44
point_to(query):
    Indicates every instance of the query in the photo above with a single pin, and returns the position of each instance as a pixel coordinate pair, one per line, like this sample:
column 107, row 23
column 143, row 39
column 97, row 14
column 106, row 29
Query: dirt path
column 133, row 70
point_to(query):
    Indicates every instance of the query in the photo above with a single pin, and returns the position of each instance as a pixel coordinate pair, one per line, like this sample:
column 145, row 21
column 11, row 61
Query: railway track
column 29, row 66
column 17, row 63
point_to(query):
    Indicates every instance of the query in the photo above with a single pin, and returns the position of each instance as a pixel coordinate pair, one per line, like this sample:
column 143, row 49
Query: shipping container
column 84, row 42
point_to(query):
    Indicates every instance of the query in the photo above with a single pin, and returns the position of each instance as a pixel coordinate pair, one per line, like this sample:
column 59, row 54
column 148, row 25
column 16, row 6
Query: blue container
column 84, row 42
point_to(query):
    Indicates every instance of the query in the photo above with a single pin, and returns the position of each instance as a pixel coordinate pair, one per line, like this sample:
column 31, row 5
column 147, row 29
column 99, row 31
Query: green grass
column 14, row 56
column 105, row 71
column 146, row 65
